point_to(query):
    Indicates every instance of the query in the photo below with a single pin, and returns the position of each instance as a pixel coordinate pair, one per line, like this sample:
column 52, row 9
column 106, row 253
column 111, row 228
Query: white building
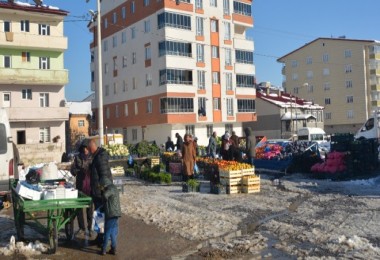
column 175, row 66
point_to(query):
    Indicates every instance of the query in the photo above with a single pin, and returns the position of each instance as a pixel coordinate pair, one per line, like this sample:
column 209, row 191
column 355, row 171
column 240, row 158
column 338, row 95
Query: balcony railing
column 21, row 114
column 33, row 76
column 34, row 41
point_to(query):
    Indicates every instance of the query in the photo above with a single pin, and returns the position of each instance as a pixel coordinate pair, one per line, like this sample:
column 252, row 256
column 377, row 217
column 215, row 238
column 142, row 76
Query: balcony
column 34, row 77
column 243, row 68
column 242, row 19
column 244, row 44
column 22, row 114
column 33, row 41
column 245, row 91
column 375, row 71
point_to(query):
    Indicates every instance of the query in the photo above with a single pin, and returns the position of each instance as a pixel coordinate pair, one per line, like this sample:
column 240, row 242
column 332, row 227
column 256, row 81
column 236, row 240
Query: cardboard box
column 71, row 193
column 28, row 193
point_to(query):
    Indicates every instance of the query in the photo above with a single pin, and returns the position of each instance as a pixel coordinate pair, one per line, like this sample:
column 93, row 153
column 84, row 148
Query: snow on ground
column 302, row 218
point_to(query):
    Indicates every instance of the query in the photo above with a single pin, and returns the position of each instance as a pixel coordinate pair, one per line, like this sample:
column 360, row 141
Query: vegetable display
column 117, row 150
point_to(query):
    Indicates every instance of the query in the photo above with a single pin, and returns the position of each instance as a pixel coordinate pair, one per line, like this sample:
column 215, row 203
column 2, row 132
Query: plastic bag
column 98, row 219
column 196, row 169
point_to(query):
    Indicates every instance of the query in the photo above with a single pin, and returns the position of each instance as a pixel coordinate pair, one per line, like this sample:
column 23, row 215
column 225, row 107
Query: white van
column 313, row 134
column 7, row 160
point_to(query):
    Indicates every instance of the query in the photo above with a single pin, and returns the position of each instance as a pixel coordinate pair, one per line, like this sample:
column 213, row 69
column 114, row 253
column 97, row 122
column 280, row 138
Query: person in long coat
column 188, row 157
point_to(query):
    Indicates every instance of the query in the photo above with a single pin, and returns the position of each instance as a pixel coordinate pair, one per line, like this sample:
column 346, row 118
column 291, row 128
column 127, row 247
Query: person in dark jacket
column 179, row 143
column 169, row 145
column 212, row 145
column 250, row 145
column 81, row 170
column 112, row 212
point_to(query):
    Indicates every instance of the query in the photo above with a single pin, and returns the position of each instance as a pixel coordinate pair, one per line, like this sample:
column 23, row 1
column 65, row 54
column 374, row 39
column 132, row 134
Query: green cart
column 49, row 215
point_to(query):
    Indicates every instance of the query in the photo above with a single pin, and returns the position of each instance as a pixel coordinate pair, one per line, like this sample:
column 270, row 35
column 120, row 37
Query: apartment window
column 125, row 61
column 244, row 56
column 215, row 51
column 148, row 80
column 125, row 109
column 27, row 94
column 123, row 37
column 116, row 111
column 325, row 58
column 228, row 81
column 200, row 53
column 230, row 106
column 216, row 103
column 310, row 88
column 294, row 63
column 134, row 134
column 227, row 31
column 134, row 83
column 44, row 29
column 114, row 88
column 309, row 60
column 215, row 77
column 133, row 32
column 190, row 129
column 214, row 25
column 226, row 7
column 210, row 130
column 148, row 55
column 133, row 7
column 326, row 72
column 105, row 21
column 149, row 106
column 168, row 19
column 114, row 41
column 228, row 58
column 80, row 123
column 92, row 76
column 44, row 134
column 107, row 88
column 115, row 64
column 347, row 53
column 133, row 57
column 295, row 90
column 214, row 3
column 245, row 81
column 348, row 68
column 309, row 74
column 44, row 63
column 108, row 113
column 147, row 26
column 350, row 114
column 106, row 68
column 114, row 18
column 327, row 101
column 202, row 106
column 294, row 76
column 241, row 8
column 7, row 61
column 176, row 76
column 24, row 25
column 327, row 115
column 350, row 99
column 105, row 45
column 124, row 85
column 326, row 86
column 25, row 56
column 199, row 26
column 136, row 108
column 44, row 99
column 7, row 26
column 201, row 79
column 146, row 2
column 198, row 4
column 123, row 12
column 246, row 105
column 174, row 48
column 348, row 83
column 176, row 105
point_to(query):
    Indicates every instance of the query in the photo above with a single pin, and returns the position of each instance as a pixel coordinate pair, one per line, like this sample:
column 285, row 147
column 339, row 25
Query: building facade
column 175, row 66
column 32, row 77
column 280, row 114
column 341, row 74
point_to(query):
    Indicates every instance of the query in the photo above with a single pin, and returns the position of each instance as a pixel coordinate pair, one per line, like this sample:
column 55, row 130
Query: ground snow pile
column 21, row 248
column 357, row 243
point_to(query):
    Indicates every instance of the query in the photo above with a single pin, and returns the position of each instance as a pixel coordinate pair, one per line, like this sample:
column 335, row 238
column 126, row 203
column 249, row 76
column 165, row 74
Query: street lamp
column 97, row 16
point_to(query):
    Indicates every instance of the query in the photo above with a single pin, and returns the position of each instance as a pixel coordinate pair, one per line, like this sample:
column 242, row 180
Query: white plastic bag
column 98, row 219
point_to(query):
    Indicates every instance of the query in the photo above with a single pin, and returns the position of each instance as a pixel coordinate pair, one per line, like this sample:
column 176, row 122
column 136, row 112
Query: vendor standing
column 188, row 157
column 81, row 170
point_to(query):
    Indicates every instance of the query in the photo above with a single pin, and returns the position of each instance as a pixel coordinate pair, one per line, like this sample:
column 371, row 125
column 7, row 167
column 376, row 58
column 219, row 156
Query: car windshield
column 3, row 139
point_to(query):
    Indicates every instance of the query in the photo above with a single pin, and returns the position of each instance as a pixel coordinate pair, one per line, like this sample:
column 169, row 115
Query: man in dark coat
column 250, row 145
column 169, row 145
column 212, row 145
column 179, row 143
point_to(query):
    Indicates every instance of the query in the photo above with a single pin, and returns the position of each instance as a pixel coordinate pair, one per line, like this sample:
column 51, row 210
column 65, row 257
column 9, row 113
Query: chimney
column 279, row 92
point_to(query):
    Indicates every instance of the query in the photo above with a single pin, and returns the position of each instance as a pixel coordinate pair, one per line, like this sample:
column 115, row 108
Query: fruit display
column 117, row 150
column 334, row 163
column 224, row 165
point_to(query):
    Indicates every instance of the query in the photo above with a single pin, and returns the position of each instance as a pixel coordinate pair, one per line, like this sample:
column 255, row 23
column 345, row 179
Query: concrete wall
column 32, row 154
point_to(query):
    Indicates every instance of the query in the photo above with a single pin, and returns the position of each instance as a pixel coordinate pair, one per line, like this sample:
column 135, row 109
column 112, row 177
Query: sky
column 280, row 26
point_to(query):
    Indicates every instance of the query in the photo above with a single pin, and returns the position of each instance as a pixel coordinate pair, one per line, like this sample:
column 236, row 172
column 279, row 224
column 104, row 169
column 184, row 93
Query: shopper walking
column 188, row 158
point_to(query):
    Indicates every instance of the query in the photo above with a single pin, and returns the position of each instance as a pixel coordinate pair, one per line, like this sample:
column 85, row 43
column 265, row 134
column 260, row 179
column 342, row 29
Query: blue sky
column 280, row 27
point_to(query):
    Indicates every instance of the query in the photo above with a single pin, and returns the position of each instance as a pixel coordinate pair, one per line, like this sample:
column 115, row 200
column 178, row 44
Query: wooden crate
column 233, row 189
column 251, row 188
column 246, row 172
column 230, row 181
column 251, row 180
column 230, row 174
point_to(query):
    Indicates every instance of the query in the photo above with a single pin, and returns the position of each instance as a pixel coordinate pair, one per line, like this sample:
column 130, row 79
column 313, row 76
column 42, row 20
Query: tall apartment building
column 32, row 77
column 341, row 74
column 175, row 66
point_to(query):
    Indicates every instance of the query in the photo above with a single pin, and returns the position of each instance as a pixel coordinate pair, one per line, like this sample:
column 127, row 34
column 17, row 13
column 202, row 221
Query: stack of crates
column 240, row 181
column 341, row 142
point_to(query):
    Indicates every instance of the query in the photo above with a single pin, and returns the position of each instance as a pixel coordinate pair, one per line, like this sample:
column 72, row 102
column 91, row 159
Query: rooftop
column 22, row 6
column 79, row 108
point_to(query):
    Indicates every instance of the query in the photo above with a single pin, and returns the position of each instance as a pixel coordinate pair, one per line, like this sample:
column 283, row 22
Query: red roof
column 32, row 8
column 284, row 99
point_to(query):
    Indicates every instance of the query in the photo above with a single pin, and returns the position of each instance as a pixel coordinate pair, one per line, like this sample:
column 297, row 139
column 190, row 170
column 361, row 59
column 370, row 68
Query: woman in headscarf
column 188, row 157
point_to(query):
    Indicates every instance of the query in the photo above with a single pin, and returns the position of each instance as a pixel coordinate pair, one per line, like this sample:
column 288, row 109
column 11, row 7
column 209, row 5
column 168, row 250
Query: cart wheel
column 53, row 237
column 69, row 227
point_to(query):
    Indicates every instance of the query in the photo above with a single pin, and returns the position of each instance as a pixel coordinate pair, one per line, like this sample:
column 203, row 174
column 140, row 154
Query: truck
column 370, row 129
